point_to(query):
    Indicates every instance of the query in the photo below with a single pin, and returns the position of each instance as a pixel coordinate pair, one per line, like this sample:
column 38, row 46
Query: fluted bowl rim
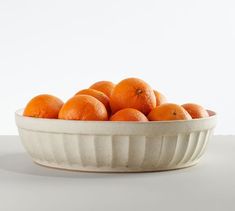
column 114, row 127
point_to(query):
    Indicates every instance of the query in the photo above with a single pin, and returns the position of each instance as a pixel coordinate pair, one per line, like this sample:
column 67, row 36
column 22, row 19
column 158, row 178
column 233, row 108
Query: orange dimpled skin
column 43, row 106
column 133, row 93
column 104, row 86
column 196, row 111
column 129, row 114
column 168, row 111
column 98, row 95
column 83, row 107
column 160, row 98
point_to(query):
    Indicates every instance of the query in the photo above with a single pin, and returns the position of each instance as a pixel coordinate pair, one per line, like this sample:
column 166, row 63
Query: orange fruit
column 160, row 98
column 43, row 106
column 168, row 111
column 98, row 95
column 129, row 114
column 195, row 110
column 83, row 107
column 104, row 86
column 133, row 93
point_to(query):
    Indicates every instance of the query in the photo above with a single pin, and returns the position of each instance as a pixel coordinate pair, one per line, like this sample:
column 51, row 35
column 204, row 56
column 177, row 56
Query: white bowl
column 103, row 146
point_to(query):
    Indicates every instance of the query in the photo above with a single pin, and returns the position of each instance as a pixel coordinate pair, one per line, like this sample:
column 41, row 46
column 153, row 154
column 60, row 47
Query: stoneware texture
column 115, row 146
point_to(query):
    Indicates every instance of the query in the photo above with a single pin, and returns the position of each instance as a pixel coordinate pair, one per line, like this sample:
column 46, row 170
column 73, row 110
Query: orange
column 43, row 106
column 104, row 86
column 195, row 110
column 160, row 98
column 129, row 114
column 133, row 93
column 83, row 107
column 98, row 95
column 168, row 111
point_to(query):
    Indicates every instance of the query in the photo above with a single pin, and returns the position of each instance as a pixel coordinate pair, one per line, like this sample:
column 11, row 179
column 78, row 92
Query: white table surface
column 28, row 187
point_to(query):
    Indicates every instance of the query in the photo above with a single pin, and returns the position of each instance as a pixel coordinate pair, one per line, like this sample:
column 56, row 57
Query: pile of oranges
column 131, row 99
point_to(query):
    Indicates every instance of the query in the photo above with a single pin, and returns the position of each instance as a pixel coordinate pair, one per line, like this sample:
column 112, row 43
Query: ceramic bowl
column 103, row 146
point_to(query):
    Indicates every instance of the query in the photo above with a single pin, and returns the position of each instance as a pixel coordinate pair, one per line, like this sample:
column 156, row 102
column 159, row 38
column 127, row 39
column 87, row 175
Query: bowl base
column 112, row 170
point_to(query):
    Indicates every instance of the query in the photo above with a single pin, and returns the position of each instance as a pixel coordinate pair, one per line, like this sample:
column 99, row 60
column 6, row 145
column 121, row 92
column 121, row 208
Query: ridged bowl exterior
column 115, row 146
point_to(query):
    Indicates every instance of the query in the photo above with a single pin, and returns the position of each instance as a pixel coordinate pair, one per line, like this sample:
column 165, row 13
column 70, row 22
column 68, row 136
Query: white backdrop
column 185, row 49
